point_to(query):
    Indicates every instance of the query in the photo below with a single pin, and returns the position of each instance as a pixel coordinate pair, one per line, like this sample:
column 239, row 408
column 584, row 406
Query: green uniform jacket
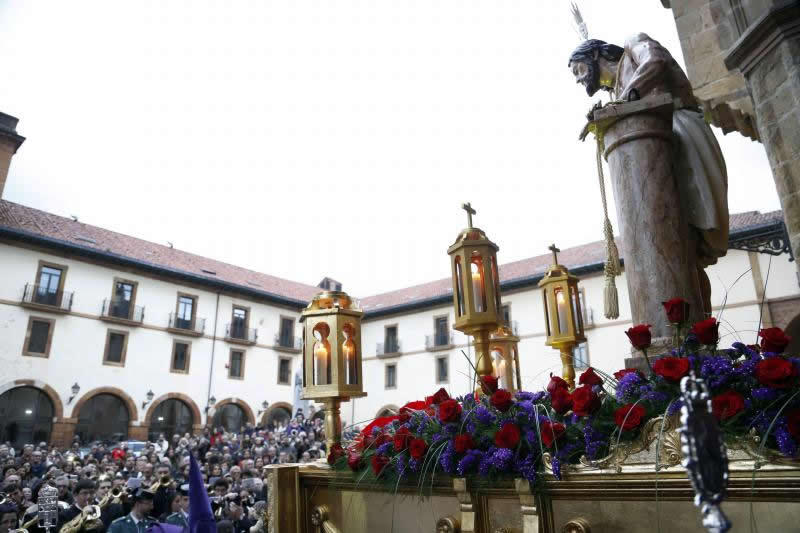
column 177, row 519
column 125, row 524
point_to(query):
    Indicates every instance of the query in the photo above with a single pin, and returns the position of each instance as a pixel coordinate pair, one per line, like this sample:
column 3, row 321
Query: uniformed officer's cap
column 143, row 494
column 183, row 490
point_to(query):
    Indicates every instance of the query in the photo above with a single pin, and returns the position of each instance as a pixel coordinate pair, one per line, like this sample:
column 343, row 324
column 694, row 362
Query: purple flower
column 526, row 468
column 486, row 462
column 383, row 449
column 628, row 387
column 530, row 396
column 674, row 407
column 594, row 441
column 400, row 464
column 484, row 415
column 468, row 461
column 446, row 459
column 786, row 443
column 413, row 465
column 556, row 468
column 471, row 427
column 716, row 371
column 765, row 394
column 501, row 459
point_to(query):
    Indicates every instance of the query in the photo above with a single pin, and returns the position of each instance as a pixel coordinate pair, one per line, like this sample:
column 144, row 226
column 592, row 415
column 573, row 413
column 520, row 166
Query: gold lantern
column 563, row 316
column 503, row 345
column 332, row 356
column 476, row 289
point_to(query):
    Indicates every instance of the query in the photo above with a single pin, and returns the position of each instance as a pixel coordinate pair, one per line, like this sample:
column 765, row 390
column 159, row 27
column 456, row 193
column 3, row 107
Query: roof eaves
column 85, row 251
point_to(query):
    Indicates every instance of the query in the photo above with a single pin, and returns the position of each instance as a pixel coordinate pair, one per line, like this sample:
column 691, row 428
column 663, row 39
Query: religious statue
column 672, row 169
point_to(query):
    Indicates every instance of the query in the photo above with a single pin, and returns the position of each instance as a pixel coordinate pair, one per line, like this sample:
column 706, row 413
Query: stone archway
column 58, row 407
column 43, row 413
column 387, row 410
column 197, row 422
column 135, row 430
column 271, row 411
column 248, row 413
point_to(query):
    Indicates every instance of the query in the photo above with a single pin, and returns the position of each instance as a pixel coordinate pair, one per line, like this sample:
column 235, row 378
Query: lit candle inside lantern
column 349, row 352
column 322, row 362
column 561, row 304
column 500, row 370
column 477, row 287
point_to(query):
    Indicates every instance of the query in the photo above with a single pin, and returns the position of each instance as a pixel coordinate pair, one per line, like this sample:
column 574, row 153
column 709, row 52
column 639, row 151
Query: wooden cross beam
column 555, row 251
column 468, row 208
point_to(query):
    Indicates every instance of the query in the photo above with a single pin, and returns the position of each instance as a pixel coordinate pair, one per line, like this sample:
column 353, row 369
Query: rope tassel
column 612, row 268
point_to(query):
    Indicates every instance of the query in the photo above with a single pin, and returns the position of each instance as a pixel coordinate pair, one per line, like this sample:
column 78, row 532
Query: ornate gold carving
column 577, row 525
column 750, row 444
column 670, row 453
column 448, row 524
column 506, row 530
column 320, row 519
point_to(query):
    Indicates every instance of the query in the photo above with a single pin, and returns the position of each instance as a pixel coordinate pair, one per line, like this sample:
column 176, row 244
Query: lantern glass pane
column 496, row 278
column 349, row 355
column 576, row 309
column 499, row 364
column 459, row 287
column 562, row 311
column 322, row 355
column 546, row 313
column 478, row 283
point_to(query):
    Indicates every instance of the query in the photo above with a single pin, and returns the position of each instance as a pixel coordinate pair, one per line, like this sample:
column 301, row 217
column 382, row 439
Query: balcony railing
column 388, row 348
column 439, row 341
column 122, row 310
column 39, row 295
column 237, row 333
column 288, row 342
column 187, row 326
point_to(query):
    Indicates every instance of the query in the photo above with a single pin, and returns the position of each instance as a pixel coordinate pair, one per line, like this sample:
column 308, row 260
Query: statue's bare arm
column 651, row 61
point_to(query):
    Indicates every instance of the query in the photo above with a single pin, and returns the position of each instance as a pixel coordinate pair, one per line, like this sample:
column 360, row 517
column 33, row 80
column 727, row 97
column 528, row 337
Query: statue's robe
column 698, row 163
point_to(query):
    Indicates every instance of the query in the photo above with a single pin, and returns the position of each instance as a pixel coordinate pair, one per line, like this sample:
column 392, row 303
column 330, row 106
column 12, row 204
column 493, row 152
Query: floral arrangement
column 499, row 434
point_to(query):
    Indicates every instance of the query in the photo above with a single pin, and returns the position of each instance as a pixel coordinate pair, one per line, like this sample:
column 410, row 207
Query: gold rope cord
column 612, row 268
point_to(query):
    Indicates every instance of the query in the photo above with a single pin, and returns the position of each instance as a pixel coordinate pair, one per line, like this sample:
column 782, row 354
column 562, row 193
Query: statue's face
column 587, row 73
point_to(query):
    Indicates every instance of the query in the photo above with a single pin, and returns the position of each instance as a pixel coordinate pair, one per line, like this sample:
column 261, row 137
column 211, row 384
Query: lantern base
column 567, row 364
column 333, row 422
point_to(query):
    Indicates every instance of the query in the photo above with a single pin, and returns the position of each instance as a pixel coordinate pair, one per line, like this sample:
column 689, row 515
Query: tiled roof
column 36, row 222
column 573, row 258
column 44, row 224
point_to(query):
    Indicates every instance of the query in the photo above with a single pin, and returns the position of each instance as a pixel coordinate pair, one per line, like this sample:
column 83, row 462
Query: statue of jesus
column 642, row 68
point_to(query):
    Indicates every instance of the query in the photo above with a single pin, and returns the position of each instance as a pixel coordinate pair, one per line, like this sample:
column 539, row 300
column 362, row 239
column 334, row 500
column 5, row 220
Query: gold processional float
column 640, row 486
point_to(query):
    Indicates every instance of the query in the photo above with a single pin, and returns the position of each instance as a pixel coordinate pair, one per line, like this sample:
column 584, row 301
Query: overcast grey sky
column 320, row 137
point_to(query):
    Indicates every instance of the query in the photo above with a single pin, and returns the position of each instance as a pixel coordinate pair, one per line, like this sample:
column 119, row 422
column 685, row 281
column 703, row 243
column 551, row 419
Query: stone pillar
column 138, row 432
column 10, row 141
column 659, row 254
column 62, row 433
column 768, row 54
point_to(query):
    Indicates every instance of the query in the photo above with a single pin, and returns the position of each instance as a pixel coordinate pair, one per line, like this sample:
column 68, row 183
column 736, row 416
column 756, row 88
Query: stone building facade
column 743, row 59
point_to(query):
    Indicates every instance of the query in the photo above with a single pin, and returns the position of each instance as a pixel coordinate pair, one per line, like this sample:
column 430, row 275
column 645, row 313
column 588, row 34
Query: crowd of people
column 135, row 488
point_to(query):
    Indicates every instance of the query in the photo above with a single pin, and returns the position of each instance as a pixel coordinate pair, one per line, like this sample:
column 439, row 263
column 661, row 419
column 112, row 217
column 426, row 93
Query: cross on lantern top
column 470, row 211
column 555, row 251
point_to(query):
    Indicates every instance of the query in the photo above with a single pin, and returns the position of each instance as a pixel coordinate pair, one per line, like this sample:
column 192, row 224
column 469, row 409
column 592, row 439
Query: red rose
column 463, row 443
column 417, row 448
column 336, row 452
column 440, row 396
column 378, row 463
column 793, row 423
column 401, row 439
column 354, row 460
column 585, row 401
column 405, row 412
column 774, row 340
column 707, row 331
column 489, row 384
column 640, row 336
column 556, row 383
column 727, row 404
column 501, row 400
column 590, row 378
column 507, row 437
column 378, row 422
column 672, row 368
column 561, row 400
column 776, row 372
column 449, row 411
column 677, row 309
column 550, row 432
column 624, row 372
column 629, row 416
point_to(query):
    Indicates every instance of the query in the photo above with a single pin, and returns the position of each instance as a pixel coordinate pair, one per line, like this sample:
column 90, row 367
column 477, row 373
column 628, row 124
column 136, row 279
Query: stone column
column 10, row 141
column 768, row 54
column 659, row 254
column 62, row 433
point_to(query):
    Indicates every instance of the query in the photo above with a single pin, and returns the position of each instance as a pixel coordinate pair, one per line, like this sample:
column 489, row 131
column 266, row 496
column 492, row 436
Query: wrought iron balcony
column 42, row 297
column 390, row 348
column 438, row 341
column 288, row 343
column 185, row 326
column 122, row 311
column 237, row 333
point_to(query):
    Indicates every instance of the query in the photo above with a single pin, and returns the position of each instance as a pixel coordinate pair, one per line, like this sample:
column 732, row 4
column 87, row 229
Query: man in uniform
column 181, row 518
column 137, row 521
column 8, row 516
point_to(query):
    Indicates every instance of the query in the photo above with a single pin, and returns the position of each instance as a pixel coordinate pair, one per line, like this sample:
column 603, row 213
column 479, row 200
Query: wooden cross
column 468, row 208
column 555, row 251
